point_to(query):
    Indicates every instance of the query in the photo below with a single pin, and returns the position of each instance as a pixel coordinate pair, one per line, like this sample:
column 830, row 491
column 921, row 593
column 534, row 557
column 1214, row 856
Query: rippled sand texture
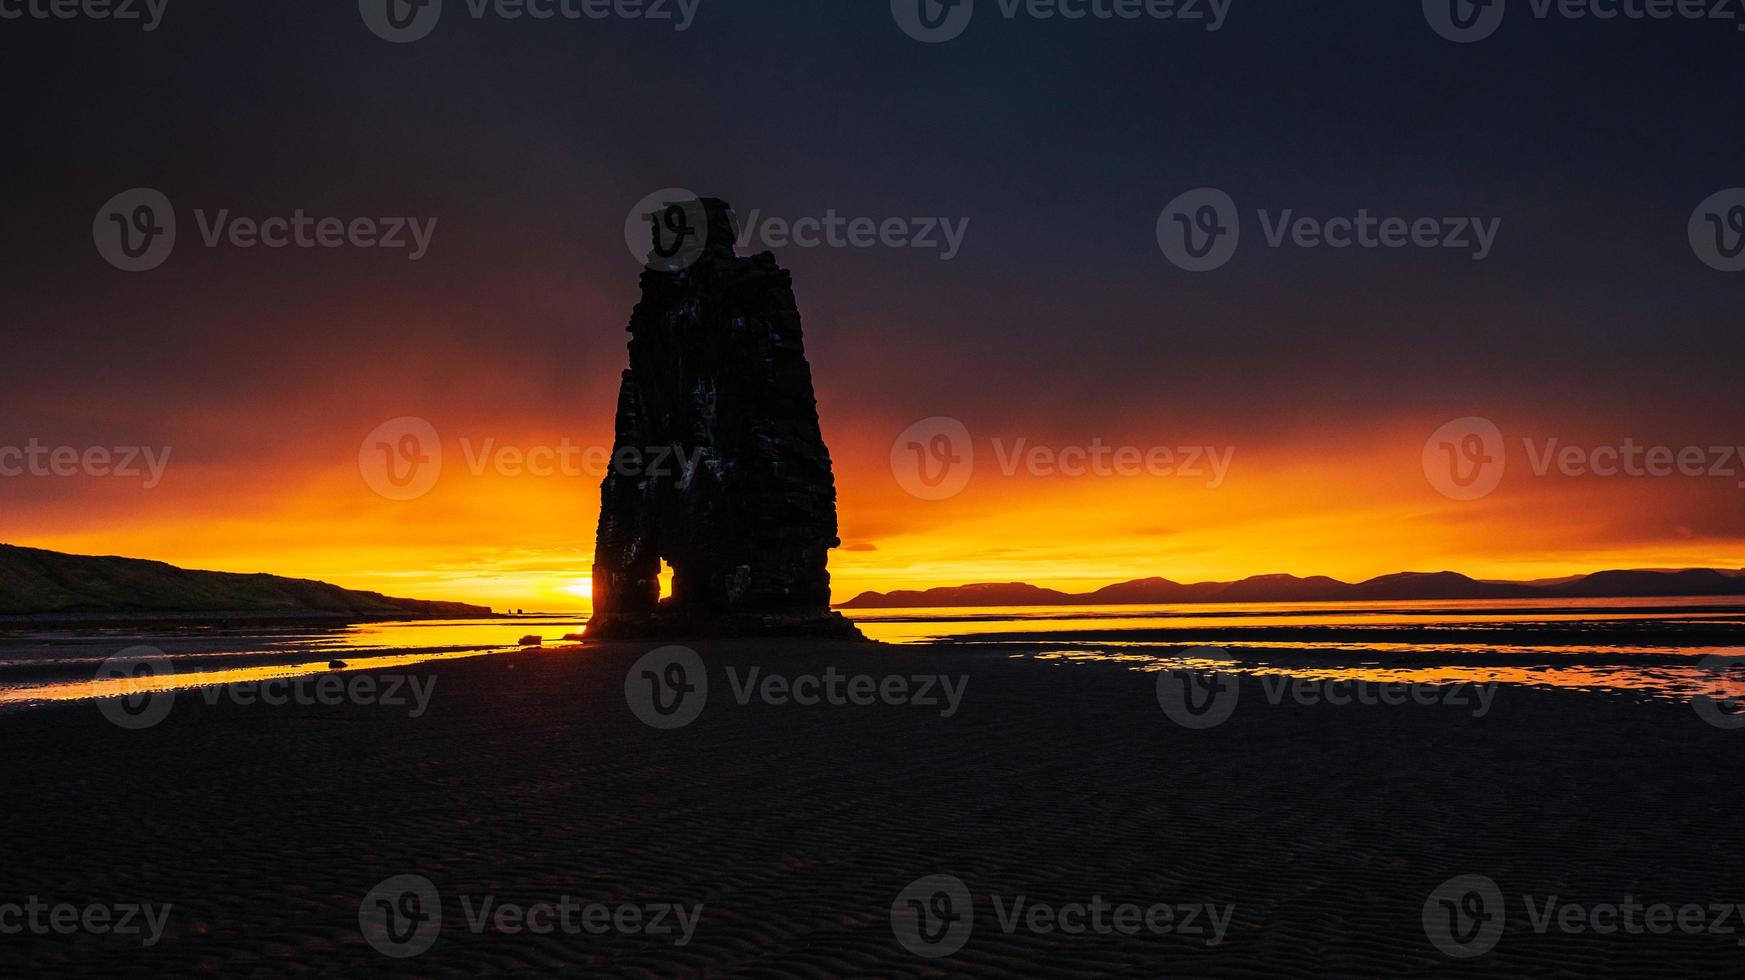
column 529, row 778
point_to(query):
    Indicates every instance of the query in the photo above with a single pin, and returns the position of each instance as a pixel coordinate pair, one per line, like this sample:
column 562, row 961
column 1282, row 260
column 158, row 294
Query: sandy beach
column 1294, row 839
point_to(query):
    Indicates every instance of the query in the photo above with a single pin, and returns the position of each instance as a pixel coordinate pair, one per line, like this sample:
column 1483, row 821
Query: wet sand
column 528, row 778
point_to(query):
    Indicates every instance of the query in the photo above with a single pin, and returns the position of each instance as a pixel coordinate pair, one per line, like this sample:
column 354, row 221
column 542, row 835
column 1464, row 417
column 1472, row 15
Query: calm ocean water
column 1666, row 647
column 1673, row 648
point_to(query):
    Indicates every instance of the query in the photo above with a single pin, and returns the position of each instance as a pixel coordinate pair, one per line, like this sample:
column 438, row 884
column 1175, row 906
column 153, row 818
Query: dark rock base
column 666, row 625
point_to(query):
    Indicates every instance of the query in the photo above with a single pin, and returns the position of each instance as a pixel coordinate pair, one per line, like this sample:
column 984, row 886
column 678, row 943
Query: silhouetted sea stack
column 718, row 464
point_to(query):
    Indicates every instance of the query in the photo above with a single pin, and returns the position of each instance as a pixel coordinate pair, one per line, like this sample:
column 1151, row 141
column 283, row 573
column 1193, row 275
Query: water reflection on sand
column 42, row 665
column 147, row 683
column 1679, row 682
column 1671, row 648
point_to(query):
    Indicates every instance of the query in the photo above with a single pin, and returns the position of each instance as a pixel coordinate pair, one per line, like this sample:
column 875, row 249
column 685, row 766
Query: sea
column 1669, row 648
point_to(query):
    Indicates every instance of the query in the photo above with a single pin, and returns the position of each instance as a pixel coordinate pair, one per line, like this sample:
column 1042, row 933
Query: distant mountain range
column 1639, row 583
column 37, row 582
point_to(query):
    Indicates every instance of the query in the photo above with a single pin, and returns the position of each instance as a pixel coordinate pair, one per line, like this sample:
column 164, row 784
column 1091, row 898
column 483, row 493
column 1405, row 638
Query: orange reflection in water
column 114, row 687
column 1679, row 682
column 1675, row 669
column 426, row 634
column 926, row 625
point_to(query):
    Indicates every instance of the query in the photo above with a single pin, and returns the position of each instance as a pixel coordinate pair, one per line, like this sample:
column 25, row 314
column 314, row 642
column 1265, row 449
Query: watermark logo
column 937, row 21
column 401, row 21
column 667, row 688
column 934, row 458
column 1465, row 459
column 401, row 459
column 1200, row 230
column 1717, row 230
column 1198, row 699
column 667, row 230
column 135, row 230
column 401, row 917
column 1465, row 21
column 933, row 916
column 933, row 21
column 139, row 699
column 136, row 689
column 404, row 21
column 1464, row 916
column 1723, row 706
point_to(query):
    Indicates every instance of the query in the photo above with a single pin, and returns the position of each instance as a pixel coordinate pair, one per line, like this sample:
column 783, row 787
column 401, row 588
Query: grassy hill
column 33, row 581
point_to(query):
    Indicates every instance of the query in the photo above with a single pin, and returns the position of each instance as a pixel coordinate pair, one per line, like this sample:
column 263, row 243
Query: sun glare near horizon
column 1361, row 511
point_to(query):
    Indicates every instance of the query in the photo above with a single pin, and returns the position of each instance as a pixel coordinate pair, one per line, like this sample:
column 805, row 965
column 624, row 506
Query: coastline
column 257, row 617
column 528, row 778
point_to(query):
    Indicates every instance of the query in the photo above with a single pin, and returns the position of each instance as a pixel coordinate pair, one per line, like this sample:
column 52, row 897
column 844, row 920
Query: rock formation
column 718, row 464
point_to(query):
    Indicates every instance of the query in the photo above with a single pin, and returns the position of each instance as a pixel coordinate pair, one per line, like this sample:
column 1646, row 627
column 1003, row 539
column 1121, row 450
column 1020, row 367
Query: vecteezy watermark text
column 1466, row 459
column 935, row 458
column 1468, row 21
column 570, row 916
column 1632, row 460
column 1465, row 917
column 405, row 21
column 1201, row 229
column 933, row 916
column 401, row 917
column 147, row 13
column 669, row 231
column 300, row 230
column 942, row 235
column 1198, row 698
column 402, row 459
column 570, row 459
column 135, row 231
column 401, row 691
column 137, row 689
column 34, row 459
column 668, row 688
column 43, row 918
column 937, row 21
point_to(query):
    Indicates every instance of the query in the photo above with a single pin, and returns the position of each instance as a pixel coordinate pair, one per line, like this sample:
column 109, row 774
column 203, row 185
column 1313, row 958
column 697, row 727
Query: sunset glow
column 1360, row 509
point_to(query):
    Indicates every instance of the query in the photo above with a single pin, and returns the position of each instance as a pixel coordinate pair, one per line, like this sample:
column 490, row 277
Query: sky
column 1318, row 375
